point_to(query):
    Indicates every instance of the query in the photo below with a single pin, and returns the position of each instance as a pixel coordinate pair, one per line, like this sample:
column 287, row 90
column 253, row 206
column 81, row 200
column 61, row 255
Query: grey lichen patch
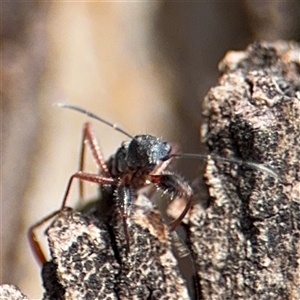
column 247, row 241
column 8, row 292
column 84, row 260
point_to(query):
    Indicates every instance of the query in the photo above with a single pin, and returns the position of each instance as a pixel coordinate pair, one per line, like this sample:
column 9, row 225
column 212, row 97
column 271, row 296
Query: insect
column 137, row 163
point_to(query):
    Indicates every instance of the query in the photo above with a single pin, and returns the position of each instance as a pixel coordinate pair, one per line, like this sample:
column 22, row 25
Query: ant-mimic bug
column 137, row 163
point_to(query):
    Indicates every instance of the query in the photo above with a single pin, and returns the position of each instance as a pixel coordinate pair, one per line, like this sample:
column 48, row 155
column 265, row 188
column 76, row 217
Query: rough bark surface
column 8, row 291
column 246, row 237
column 90, row 258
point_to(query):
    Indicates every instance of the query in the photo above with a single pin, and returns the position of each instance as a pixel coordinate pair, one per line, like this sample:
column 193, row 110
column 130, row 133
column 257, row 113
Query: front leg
column 32, row 237
column 123, row 196
column 176, row 186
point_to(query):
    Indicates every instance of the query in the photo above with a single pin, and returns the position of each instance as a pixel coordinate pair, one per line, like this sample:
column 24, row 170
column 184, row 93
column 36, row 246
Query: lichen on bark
column 247, row 238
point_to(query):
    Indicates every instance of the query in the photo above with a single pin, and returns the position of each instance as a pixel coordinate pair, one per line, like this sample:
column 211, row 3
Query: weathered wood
column 246, row 237
column 90, row 259
column 8, row 291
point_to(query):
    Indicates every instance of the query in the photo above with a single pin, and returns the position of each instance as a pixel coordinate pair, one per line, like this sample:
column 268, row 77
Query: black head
column 146, row 151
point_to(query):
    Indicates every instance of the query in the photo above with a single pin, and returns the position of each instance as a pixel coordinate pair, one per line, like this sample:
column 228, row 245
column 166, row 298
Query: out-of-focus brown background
column 143, row 65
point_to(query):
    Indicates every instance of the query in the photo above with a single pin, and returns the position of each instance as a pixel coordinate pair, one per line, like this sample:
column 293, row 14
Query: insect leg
column 124, row 198
column 32, row 237
column 86, row 177
column 33, row 240
column 89, row 137
column 174, row 185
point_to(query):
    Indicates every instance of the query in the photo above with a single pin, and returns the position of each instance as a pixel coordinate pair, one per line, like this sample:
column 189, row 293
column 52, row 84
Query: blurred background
column 143, row 65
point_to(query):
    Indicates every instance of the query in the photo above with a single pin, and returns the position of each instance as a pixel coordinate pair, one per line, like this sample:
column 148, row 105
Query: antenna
column 94, row 116
column 250, row 164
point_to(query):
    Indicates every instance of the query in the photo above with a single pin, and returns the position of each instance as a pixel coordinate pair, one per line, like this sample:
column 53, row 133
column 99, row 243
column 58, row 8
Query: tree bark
column 246, row 236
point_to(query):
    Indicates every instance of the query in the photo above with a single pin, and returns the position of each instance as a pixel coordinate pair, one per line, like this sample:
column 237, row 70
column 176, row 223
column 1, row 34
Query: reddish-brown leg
column 174, row 224
column 86, row 177
column 89, row 137
column 32, row 237
column 33, row 240
column 175, row 185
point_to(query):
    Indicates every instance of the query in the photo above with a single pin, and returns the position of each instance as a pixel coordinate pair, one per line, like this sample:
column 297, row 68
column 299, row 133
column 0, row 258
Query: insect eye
column 165, row 150
column 167, row 157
